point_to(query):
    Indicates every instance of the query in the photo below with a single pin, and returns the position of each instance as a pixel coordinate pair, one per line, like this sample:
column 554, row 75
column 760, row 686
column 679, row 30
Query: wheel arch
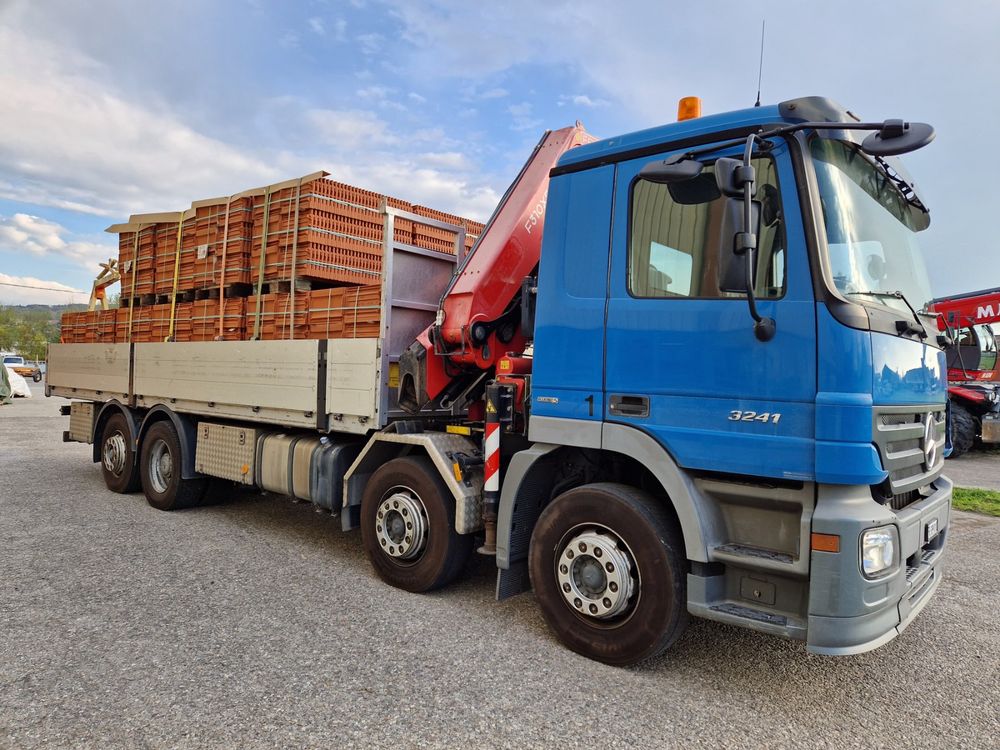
column 441, row 448
column 110, row 408
column 530, row 483
column 187, row 433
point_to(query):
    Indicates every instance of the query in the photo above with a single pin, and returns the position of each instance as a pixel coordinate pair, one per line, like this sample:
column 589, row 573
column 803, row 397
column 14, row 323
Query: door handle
column 628, row 405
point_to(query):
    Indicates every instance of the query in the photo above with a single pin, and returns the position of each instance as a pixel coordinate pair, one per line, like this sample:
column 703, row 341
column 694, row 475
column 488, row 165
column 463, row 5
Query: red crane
column 478, row 318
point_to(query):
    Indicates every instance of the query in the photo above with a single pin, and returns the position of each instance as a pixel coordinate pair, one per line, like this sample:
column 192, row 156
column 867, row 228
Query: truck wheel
column 408, row 526
column 37, row 376
column 160, row 463
column 963, row 430
column 608, row 570
column 118, row 464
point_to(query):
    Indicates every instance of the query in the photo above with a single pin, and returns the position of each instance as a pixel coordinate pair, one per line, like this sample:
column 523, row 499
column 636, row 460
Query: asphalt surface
column 257, row 623
column 977, row 468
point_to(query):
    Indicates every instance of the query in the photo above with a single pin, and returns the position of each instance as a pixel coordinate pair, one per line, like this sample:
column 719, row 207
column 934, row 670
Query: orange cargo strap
column 260, row 267
column 357, row 301
column 329, row 305
column 131, row 297
column 222, row 272
column 177, row 270
column 295, row 250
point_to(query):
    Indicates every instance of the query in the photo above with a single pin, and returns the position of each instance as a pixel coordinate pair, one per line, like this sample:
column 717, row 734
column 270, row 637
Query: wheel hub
column 595, row 575
column 115, row 451
column 161, row 466
column 401, row 524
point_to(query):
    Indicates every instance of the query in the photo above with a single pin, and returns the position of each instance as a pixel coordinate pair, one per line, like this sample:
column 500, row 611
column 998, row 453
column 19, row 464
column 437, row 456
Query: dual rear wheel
column 158, row 468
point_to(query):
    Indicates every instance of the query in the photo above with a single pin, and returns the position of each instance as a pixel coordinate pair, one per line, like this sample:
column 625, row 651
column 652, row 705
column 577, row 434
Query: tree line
column 29, row 330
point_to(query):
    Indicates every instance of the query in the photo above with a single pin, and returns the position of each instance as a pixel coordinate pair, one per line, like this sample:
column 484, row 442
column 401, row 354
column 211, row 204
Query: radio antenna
column 760, row 69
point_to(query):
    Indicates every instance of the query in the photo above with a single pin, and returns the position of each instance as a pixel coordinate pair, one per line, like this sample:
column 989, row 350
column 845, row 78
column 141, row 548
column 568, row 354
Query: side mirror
column 732, row 265
column 677, row 168
column 683, row 178
column 898, row 137
column 728, row 177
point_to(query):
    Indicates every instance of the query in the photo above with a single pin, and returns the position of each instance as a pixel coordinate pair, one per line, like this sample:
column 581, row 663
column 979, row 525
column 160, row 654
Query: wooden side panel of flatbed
column 95, row 372
column 263, row 381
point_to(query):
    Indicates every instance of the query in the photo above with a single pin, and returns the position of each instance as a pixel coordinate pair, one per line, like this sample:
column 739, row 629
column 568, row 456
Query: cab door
column 682, row 361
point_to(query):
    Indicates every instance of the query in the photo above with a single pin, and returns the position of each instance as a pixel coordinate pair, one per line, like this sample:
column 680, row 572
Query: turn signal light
column 825, row 542
column 688, row 108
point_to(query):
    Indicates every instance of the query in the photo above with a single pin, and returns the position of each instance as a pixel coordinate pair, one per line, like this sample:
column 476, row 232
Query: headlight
column 878, row 551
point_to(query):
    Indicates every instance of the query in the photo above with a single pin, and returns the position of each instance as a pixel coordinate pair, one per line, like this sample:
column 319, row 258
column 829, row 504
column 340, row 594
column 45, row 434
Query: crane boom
column 477, row 319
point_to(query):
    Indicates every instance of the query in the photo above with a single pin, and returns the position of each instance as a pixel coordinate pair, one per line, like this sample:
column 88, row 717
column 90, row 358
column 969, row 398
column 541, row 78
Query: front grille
column 900, row 501
column 899, row 436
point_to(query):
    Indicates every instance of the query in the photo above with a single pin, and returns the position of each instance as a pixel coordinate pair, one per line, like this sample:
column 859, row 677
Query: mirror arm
column 746, row 244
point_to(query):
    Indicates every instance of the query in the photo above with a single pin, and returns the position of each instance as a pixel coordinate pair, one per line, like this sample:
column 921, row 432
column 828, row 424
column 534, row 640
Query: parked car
column 23, row 368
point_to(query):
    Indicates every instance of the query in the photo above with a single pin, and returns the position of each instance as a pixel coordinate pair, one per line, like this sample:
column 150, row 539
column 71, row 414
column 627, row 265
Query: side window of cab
column 674, row 246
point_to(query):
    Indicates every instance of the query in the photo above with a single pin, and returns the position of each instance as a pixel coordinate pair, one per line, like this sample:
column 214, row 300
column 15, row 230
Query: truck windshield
column 871, row 229
column 13, row 361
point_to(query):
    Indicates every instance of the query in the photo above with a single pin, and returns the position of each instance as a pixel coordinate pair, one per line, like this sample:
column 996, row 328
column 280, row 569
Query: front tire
column 408, row 526
column 118, row 465
column 160, row 465
column 963, row 430
column 608, row 568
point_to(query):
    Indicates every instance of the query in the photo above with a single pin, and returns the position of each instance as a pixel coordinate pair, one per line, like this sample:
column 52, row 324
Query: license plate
column 931, row 530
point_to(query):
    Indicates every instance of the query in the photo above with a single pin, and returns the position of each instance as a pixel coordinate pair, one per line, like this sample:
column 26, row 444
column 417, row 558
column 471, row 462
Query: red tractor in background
column 973, row 374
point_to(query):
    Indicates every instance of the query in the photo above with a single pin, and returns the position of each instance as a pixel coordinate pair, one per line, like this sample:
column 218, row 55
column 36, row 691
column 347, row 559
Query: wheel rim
column 597, row 575
column 114, row 454
column 401, row 524
column 161, row 466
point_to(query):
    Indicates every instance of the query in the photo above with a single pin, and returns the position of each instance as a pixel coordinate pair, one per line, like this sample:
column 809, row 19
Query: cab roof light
column 688, row 108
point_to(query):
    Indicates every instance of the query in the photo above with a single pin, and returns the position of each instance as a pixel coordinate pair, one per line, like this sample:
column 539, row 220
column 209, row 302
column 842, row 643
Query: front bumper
column 849, row 614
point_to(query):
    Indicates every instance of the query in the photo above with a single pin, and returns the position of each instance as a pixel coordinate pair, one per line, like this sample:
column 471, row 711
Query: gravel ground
column 256, row 623
column 978, row 468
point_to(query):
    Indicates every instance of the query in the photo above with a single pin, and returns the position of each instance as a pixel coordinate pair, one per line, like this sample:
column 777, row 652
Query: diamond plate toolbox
column 226, row 452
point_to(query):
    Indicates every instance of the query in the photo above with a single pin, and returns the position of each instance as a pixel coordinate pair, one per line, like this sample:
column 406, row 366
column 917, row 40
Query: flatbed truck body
column 654, row 453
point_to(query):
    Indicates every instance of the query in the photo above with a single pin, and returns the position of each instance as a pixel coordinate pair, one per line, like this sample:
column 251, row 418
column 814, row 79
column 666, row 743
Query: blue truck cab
column 797, row 473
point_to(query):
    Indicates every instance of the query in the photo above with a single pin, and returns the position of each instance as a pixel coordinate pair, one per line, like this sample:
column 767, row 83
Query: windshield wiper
column 906, row 190
column 901, row 326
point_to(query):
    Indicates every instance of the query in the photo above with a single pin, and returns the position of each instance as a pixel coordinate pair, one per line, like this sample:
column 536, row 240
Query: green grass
column 977, row 501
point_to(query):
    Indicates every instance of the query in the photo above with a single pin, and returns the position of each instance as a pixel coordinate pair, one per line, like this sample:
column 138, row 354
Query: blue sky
column 111, row 107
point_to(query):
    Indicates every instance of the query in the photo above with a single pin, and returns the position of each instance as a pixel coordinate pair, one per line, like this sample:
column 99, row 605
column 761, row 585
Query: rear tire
column 608, row 568
column 963, row 430
column 160, row 463
column 408, row 526
column 118, row 465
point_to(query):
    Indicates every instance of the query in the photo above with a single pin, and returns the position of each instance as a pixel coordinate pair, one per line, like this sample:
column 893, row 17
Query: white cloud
column 522, row 119
column 582, row 100
column 495, row 93
column 23, row 233
column 371, row 43
column 317, row 26
column 71, row 138
column 68, row 139
column 382, row 96
column 452, row 160
column 27, row 290
column 350, row 129
column 289, row 40
column 414, row 96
